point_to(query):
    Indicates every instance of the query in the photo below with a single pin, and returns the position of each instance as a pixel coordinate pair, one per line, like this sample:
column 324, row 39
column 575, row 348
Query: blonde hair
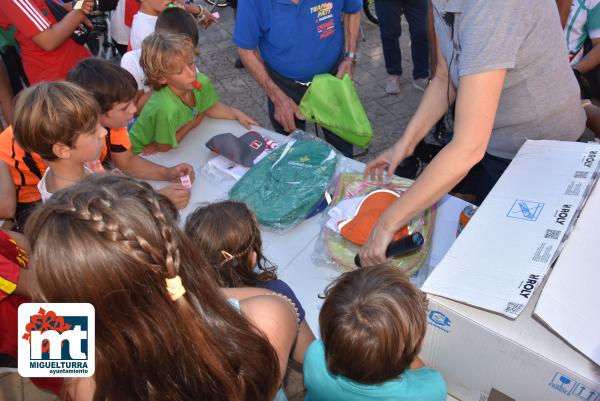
column 164, row 53
column 53, row 112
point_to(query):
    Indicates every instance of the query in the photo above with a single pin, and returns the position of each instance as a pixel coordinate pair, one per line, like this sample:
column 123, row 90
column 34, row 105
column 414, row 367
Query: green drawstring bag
column 334, row 104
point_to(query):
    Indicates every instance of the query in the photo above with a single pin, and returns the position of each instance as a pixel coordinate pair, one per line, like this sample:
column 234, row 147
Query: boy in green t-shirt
column 182, row 96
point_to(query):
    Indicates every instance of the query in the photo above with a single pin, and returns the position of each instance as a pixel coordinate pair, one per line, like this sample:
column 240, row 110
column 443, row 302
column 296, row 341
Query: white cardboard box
column 506, row 250
column 487, row 357
column 570, row 299
column 478, row 351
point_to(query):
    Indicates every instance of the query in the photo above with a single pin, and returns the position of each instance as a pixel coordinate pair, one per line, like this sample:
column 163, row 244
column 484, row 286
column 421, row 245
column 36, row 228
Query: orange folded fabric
column 358, row 228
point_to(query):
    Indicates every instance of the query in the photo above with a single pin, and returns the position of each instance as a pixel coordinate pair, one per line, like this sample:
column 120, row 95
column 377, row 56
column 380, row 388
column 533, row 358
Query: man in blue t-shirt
column 285, row 43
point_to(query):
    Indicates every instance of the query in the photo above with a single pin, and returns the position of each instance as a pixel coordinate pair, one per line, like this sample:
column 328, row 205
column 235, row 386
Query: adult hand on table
column 373, row 251
column 177, row 193
column 176, row 172
column 285, row 111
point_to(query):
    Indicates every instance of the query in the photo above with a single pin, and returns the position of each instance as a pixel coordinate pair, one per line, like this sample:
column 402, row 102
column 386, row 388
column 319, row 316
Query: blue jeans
column 389, row 13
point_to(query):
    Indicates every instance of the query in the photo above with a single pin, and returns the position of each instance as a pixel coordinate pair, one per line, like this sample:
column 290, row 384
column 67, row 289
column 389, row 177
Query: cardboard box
column 570, row 299
column 484, row 356
column 487, row 357
column 505, row 251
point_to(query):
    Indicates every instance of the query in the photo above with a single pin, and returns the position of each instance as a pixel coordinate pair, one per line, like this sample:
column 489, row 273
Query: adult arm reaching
column 435, row 103
column 591, row 60
column 477, row 101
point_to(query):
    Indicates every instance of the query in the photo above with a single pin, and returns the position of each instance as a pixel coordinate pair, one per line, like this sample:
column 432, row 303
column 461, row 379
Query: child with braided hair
column 227, row 234
column 164, row 329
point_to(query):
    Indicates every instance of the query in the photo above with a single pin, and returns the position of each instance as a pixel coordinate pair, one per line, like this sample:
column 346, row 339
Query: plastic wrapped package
column 335, row 250
column 289, row 184
column 219, row 170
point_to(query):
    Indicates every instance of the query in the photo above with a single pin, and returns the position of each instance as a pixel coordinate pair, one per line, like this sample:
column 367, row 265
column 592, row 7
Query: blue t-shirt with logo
column 422, row 384
column 296, row 40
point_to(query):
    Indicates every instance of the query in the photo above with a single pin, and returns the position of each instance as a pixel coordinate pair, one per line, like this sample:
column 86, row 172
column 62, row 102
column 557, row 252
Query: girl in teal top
column 181, row 98
column 372, row 326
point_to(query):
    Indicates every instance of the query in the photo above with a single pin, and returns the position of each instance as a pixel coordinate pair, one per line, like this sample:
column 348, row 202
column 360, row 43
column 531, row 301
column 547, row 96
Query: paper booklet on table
column 224, row 165
column 569, row 302
column 506, row 249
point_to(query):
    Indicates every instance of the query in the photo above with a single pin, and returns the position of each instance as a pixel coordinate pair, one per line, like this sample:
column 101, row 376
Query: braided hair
column 112, row 241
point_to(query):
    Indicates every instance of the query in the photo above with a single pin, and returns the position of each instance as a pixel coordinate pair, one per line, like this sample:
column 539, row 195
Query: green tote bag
column 334, row 104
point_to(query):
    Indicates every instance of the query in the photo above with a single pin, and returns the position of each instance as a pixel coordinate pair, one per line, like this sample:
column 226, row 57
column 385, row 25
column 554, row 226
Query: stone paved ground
column 388, row 114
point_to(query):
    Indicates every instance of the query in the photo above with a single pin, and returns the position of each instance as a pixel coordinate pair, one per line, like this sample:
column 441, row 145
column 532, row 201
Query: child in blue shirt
column 372, row 323
column 227, row 234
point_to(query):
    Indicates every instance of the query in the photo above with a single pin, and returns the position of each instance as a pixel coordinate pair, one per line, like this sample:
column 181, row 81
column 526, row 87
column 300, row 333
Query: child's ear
column 61, row 150
column 253, row 256
column 103, row 119
column 162, row 81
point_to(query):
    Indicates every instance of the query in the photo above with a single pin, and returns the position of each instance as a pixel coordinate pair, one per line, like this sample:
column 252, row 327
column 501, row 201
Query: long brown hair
column 227, row 233
column 372, row 324
column 108, row 241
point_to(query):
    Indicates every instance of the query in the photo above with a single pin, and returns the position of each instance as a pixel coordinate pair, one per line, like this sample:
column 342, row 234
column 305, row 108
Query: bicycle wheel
column 218, row 3
column 369, row 9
